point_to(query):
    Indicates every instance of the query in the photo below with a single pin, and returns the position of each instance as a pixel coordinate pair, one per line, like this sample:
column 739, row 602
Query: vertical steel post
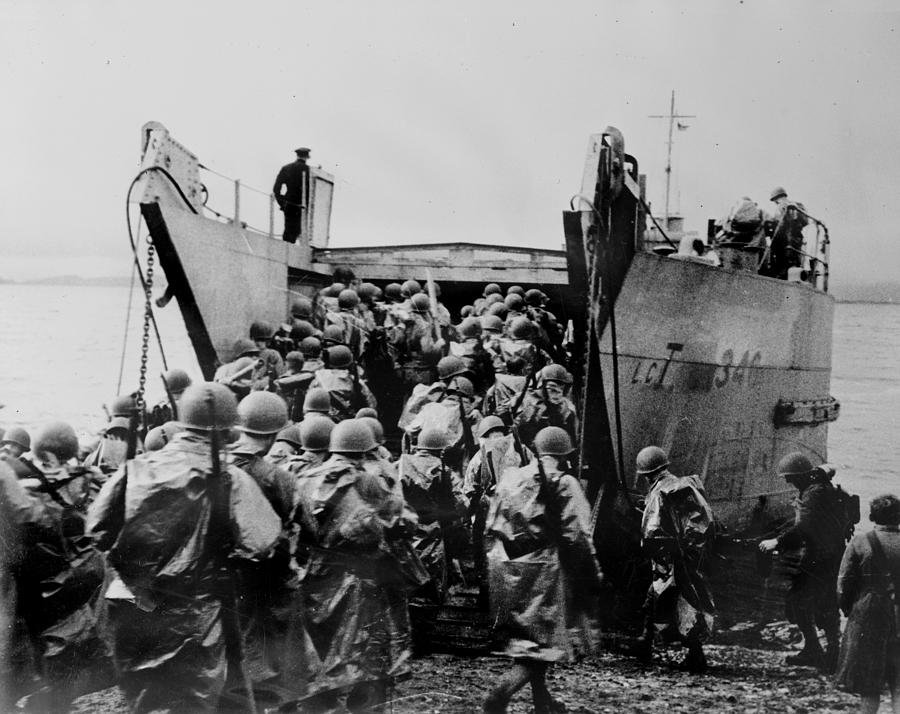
column 237, row 201
column 271, row 216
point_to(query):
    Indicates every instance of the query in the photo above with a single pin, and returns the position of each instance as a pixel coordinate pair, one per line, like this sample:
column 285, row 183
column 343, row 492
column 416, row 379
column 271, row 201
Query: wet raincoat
column 546, row 406
column 543, row 574
column 356, row 573
column 165, row 605
column 434, row 492
column 676, row 526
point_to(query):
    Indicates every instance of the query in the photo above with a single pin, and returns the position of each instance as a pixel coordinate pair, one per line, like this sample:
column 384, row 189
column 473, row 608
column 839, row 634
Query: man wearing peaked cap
column 291, row 191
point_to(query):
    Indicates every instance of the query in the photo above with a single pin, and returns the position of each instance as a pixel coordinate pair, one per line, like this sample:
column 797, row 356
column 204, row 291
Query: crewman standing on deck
column 291, row 191
column 787, row 240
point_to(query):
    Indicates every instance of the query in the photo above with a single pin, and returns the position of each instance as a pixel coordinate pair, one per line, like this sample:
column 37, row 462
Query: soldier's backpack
column 341, row 389
column 443, row 416
column 847, row 508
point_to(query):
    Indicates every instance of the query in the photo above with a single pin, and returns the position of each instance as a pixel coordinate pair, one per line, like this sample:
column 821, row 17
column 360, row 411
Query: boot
column 695, row 662
column 807, row 657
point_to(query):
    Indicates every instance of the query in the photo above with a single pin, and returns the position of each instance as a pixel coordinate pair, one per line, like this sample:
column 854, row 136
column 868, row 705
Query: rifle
column 356, row 399
column 547, row 495
column 217, row 544
column 432, row 299
column 468, row 439
column 169, row 396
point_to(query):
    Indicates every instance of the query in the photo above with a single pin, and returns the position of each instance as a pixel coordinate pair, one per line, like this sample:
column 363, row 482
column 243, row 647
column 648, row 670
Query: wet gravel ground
column 740, row 679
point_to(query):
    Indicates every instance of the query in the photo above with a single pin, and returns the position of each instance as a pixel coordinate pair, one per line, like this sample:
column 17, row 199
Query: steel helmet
column 555, row 373
column 432, row 440
column 520, row 328
column 161, row 435
column 465, row 311
column 650, row 460
column 302, row 308
column 553, row 441
column 334, row 289
column 393, row 291
column 490, row 423
column 499, row 309
column 515, row 290
column 315, row 433
column 514, row 301
column 333, row 334
column 339, row 357
column 534, row 297
column 367, row 291
column 410, row 288
column 375, row 426
column 470, row 327
column 294, row 358
column 794, row 464
column 491, row 323
column 777, row 192
column 461, row 386
column 261, row 331
column 262, row 413
column 348, row 299
column 352, row 436
column 207, row 406
column 291, row 435
column 242, row 347
column 450, row 366
column 57, row 438
column 493, row 299
column 301, row 329
column 366, row 412
column 176, row 381
column 420, row 302
column 437, row 288
column 317, row 400
column 491, row 289
column 310, row 347
column 17, row 435
column 122, row 406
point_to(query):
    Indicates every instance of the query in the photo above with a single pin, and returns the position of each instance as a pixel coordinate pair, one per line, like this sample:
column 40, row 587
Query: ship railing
column 251, row 207
column 817, row 261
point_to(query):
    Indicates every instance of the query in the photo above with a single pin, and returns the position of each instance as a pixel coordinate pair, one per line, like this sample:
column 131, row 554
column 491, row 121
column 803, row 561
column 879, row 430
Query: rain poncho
column 434, row 492
column 166, row 603
column 543, row 574
column 546, row 406
column 348, row 391
column 358, row 569
column 677, row 524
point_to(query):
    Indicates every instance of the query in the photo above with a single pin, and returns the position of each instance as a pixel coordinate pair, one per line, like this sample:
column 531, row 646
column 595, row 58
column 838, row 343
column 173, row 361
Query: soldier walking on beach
column 676, row 526
column 539, row 525
column 818, row 533
column 291, row 191
column 172, row 521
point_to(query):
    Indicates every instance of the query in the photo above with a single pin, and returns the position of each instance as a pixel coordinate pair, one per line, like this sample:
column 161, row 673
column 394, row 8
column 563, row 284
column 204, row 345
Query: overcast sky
column 452, row 121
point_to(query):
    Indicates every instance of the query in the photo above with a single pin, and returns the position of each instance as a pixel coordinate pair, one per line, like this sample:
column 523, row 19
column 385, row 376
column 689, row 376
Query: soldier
column 109, row 452
column 15, row 444
column 818, row 533
column 470, row 349
column 676, row 526
column 287, row 445
column 267, row 588
column 354, row 329
column 188, row 515
column 519, row 352
column 434, row 492
column 161, row 435
column 302, row 309
column 787, row 239
column 352, row 582
column 539, row 523
column 315, row 436
column 491, row 334
column 379, row 452
column 261, row 333
column 174, row 382
column 311, row 349
column 417, row 344
column 547, row 404
column 480, row 306
column 347, row 390
column 515, row 307
column 246, row 372
column 292, row 385
column 58, row 615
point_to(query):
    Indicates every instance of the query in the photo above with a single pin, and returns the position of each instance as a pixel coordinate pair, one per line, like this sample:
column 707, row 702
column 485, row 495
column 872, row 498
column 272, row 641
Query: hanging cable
column 127, row 323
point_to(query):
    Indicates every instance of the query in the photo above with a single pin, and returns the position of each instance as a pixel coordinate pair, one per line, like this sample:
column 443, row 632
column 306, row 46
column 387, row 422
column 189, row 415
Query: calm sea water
column 63, row 347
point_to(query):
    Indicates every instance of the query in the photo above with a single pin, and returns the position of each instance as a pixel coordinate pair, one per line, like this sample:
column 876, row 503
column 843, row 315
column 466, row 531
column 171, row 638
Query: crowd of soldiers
column 259, row 528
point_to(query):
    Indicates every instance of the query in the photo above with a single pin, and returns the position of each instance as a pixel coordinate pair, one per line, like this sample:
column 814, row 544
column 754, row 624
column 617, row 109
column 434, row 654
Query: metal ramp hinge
column 806, row 411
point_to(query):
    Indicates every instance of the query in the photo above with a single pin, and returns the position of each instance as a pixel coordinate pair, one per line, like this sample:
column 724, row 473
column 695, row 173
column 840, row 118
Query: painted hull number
column 743, row 371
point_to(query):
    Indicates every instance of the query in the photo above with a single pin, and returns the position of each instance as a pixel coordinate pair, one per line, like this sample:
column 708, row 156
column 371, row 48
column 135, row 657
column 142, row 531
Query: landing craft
column 726, row 369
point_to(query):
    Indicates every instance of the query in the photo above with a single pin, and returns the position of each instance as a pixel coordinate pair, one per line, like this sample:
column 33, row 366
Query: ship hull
column 707, row 357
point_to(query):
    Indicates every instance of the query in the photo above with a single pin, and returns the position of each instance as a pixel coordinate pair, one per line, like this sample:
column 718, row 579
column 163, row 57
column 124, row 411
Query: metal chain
column 148, row 318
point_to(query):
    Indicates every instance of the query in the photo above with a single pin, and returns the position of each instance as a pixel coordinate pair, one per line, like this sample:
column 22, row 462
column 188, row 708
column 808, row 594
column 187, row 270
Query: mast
column 671, row 116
